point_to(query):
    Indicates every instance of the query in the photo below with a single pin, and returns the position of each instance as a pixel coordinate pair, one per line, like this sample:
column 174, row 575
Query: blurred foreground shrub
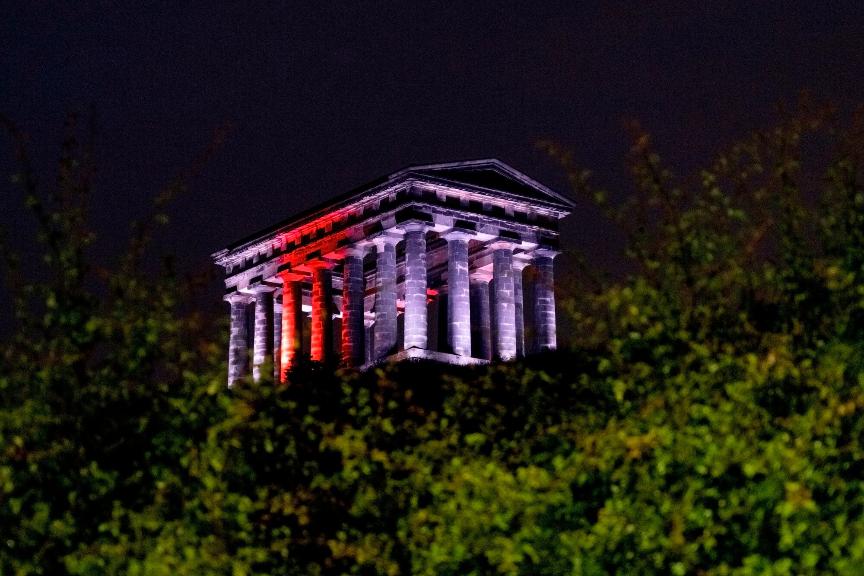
column 706, row 421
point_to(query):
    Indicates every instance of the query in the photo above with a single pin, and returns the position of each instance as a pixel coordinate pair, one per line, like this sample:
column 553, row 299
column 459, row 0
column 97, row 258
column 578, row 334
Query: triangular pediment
column 494, row 175
column 489, row 177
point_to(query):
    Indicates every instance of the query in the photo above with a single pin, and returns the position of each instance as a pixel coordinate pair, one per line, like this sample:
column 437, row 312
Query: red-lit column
column 292, row 322
column 322, row 313
column 352, row 307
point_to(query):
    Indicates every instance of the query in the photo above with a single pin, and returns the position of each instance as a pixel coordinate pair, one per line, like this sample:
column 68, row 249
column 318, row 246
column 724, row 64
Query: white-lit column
column 352, row 307
column 504, row 302
column 238, row 351
column 458, row 294
column 385, row 296
column 262, row 351
column 519, row 301
column 481, row 324
column 544, row 300
column 277, row 338
column 415, row 286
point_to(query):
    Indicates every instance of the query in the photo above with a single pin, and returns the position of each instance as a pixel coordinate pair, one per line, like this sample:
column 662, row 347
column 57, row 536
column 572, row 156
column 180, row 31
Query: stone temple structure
column 452, row 262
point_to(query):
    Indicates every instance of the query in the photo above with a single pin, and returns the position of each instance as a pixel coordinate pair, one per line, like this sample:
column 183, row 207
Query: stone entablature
column 366, row 276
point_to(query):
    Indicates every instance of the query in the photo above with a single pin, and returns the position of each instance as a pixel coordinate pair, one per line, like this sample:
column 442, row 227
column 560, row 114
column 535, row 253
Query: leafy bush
column 707, row 419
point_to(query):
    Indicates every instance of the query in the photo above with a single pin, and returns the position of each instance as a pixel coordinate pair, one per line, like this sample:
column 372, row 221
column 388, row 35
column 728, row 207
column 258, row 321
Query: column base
column 417, row 354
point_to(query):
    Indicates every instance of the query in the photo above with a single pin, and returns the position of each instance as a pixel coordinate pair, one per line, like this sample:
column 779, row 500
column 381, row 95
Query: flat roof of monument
column 484, row 175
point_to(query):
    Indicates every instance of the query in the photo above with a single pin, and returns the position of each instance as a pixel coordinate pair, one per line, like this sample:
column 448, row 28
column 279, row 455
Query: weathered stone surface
column 544, row 301
column 238, row 353
column 277, row 339
column 458, row 296
column 385, row 298
column 415, row 289
column 504, row 303
column 519, row 302
column 322, row 314
column 292, row 324
column 481, row 328
column 436, row 312
column 491, row 233
column 493, row 322
column 263, row 336
column 369, row 355
column 353, row 330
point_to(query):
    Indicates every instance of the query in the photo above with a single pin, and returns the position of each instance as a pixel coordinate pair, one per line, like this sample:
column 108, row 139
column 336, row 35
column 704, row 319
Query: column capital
column 237, row 297
column 456, row 234
column 503, row 244
column 415, row 226
column 545, row 252
column 388, row 238
column 261, row 287
column 357, row 249
column 287, row 276
column 480, row 275
column 317, row 264
column 520, row 263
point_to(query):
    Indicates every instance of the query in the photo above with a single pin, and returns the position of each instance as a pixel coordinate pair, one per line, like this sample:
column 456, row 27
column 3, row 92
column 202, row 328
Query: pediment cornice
column 416, row 184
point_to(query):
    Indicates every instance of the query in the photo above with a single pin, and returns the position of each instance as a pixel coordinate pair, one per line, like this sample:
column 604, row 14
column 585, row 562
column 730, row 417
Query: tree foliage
column 707, row 419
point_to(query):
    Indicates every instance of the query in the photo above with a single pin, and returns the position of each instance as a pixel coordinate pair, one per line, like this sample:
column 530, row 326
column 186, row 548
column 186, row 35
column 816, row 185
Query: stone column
column 415, row 286
column 352, row 307
column 544, row 300
column 385, row 296
column 505, row 307
column 292, row 322
column 322, row 313
column 238, row 352
column 519, row 300
column 481, row 327
column 263, row 336
column 277, row 340
column 369, row 327
column 458, row 298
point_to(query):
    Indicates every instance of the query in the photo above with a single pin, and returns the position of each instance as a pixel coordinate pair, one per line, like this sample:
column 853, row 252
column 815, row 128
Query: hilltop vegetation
column 707, row 419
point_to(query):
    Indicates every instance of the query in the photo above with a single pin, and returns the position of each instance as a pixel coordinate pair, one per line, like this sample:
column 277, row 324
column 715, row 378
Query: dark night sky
column 322, row 99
